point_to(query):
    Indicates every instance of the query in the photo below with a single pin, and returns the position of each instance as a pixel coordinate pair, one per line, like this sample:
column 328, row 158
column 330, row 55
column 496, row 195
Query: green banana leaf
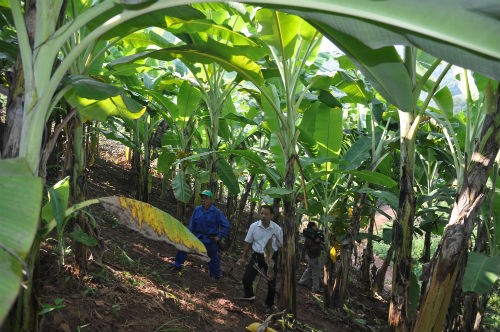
column 230, row 58
column 385, row 196
column 258, row 165
column 326, row 125
column 226, row 174
column 481, row 273
column 97, row 100
column 182, row 191
column 383, row 67
column 435, row 27
column 20, row 202
column 286, row 34
column 358, row 153
column 54, row 209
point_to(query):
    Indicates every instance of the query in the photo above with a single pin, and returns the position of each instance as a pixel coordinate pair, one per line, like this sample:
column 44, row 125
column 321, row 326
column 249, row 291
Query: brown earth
column 131, row 289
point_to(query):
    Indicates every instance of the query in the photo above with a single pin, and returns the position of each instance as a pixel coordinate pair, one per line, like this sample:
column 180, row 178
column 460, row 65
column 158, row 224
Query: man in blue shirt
column 209, row 225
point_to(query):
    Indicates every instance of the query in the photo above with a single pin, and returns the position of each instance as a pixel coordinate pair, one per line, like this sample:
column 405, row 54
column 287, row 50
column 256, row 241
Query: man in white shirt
column 261, row 233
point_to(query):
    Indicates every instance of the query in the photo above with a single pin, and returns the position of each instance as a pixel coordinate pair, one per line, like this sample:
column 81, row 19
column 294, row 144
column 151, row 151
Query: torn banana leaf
column 153, row 223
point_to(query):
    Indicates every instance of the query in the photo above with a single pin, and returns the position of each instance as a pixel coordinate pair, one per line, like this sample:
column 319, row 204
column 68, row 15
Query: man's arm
column 223, row 225
column 246, row 249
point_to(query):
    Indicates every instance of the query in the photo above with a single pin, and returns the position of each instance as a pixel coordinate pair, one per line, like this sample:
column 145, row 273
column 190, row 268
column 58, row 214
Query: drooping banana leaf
column 153, row 223
column 97, row 100
column 230, row 58
column 435, row 27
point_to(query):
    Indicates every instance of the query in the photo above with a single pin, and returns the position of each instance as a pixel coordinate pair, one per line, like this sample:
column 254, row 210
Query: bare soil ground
column 128, row 286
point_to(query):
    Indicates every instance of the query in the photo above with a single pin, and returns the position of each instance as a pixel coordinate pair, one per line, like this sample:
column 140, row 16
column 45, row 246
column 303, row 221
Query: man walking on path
column 209, row 225
column 262, row 234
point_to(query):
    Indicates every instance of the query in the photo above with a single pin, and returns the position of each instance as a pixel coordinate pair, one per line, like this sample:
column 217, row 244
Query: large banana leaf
column 358, row 153
column 481, row 273
column 226, row 174
column 325, row 124
column 374, row 178
column 20, row 201
column 97, row 100
column 230, row 58
column 188, row 100
column 383, row 67
column 204, row 27
column 286, row 34
column 436, row 27
column 153, row 18
column 182, row 191
column 153, row 223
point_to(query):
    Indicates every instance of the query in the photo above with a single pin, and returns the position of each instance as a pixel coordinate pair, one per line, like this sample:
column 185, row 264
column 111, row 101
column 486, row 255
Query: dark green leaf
column 481, row 273
column 226, row 174
column 84, row 238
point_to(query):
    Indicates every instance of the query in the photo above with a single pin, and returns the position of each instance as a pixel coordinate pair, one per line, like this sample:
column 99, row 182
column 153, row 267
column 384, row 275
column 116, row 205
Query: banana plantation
column 329, row 110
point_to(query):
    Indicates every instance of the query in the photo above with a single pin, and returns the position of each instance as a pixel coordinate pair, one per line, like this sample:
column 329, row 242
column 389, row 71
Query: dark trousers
column 251, row 273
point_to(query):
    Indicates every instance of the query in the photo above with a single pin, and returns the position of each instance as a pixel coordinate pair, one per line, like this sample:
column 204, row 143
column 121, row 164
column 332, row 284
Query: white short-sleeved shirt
column 258, row 236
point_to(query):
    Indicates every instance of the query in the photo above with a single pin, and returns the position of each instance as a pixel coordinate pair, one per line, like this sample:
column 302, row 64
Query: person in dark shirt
column 312, row 246
column 209, row 225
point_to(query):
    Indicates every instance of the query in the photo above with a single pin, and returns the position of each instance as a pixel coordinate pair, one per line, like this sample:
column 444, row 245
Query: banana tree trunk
column 403, row 228
column 92, row 143
column 342, row 278
column 289, row 262
column 11, row 139
column 367, row 259
column 78, row 192
column 474, row 304
column 236, row 222
column 452, row 249
column 382, row 271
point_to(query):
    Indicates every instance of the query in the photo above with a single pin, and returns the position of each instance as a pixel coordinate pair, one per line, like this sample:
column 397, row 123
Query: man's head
column 312, row 225
column 206, row 198
column 266, row 213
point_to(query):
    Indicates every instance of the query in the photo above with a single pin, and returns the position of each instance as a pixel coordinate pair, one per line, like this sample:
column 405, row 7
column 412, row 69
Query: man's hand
column 242, row 261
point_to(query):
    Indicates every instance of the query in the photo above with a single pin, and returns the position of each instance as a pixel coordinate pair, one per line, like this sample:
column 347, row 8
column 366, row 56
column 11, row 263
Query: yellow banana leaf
column 153, row 223
column 254, row 327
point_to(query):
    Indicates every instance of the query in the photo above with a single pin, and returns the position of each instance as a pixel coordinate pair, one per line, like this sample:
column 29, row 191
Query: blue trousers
column 213, row 254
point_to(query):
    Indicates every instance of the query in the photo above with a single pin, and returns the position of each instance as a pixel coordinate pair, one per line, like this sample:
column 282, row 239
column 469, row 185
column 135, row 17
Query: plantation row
column 401, row 110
